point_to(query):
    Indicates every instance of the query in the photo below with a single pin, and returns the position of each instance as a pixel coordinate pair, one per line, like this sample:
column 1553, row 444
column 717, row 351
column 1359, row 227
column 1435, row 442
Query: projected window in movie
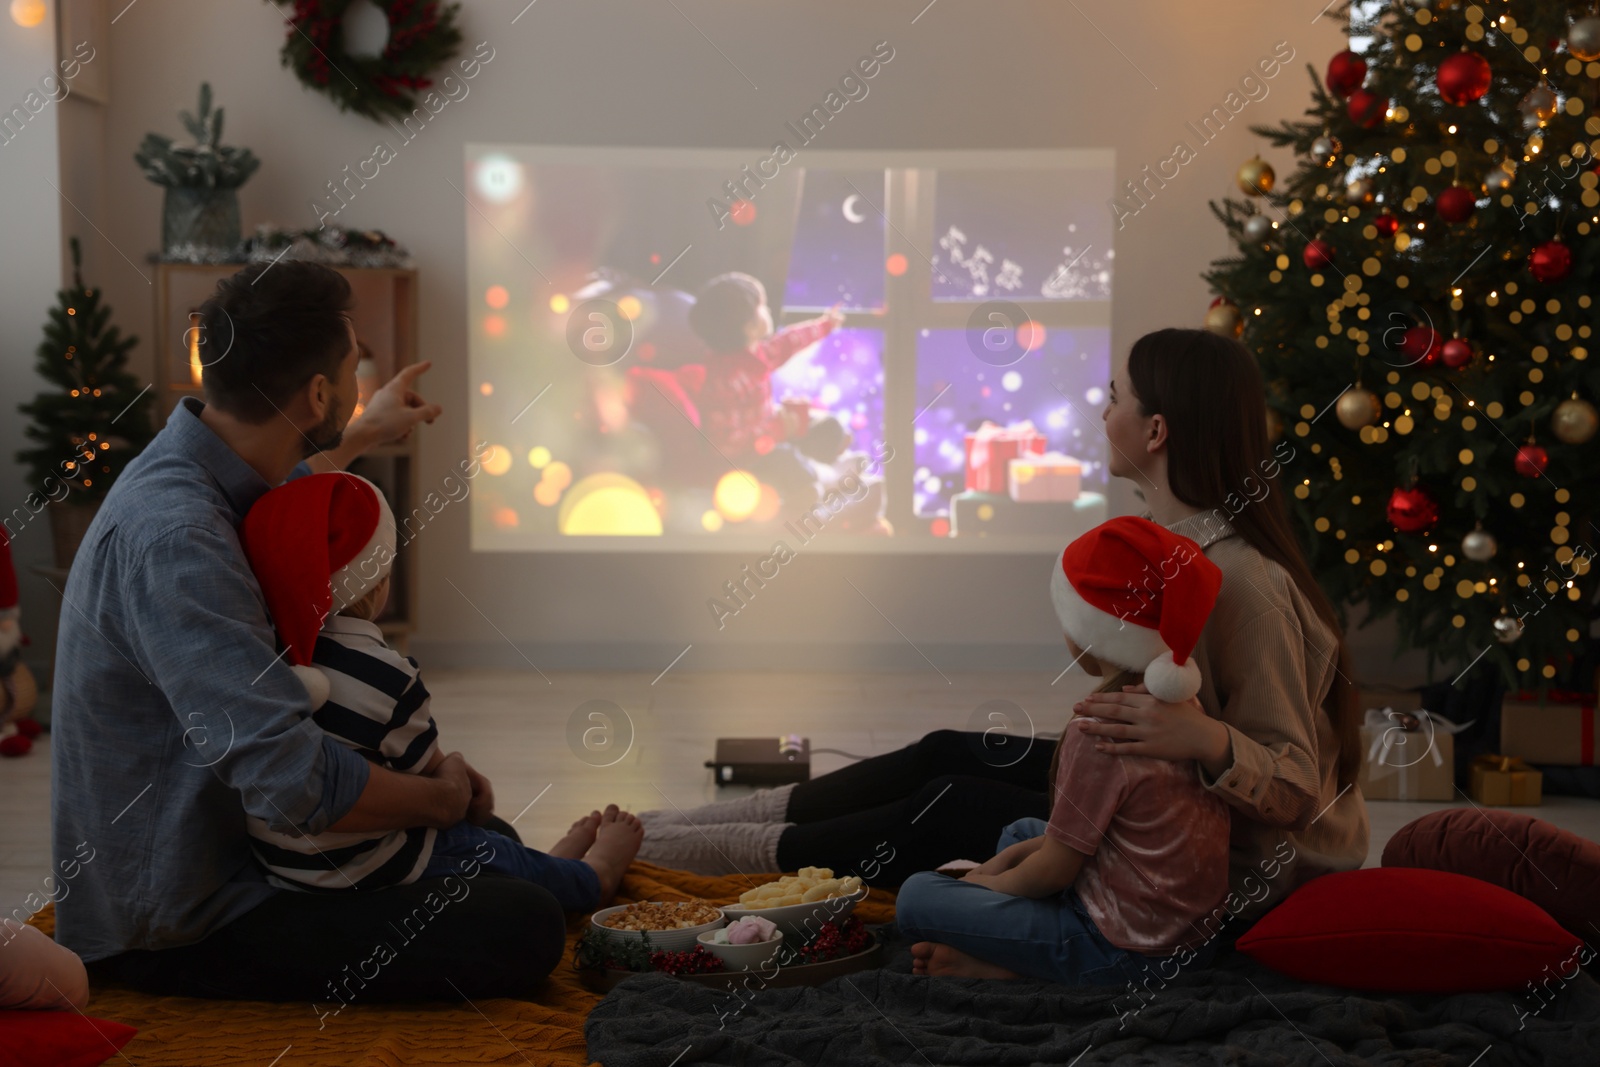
column 673, row 349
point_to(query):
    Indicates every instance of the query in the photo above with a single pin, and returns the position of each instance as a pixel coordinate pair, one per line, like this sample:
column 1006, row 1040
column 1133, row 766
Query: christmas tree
column 98, row 416
column 1421, row 296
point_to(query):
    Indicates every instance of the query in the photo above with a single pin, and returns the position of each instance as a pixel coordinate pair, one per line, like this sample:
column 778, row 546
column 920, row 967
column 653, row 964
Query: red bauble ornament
column 1386, row 224
column 1456, row 353
column 1422, row 344
column 1318, row 255
column 1531, row 461
column 1366, row 109
column 1550, row 261
column 1456, row 204
column 1346, row 72
column 1412, row 510
column 1463, row 78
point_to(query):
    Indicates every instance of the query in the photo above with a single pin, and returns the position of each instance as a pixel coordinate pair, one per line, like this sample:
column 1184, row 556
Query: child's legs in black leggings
column 872, row 783
column 947, row 817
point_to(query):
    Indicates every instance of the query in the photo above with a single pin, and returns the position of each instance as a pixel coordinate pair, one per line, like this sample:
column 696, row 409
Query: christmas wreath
column 422, row 35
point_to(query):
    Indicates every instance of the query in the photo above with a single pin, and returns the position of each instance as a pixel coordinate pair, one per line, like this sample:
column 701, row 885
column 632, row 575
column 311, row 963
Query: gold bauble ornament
column 1574, row 421
column 1358, row 407
column 1225, row 318
column 1359, row 191
column 1256, row 176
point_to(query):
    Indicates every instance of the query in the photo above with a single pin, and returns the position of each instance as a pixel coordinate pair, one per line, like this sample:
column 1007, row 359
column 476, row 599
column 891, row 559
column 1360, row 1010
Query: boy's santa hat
column 1138, row 595
column 317, row 545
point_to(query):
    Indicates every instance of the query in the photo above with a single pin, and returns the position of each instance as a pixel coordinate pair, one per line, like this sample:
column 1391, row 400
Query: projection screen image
column 716, row 350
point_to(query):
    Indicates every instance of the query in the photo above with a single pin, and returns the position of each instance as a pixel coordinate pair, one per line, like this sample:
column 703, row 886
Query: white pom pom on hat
column 1137, row 596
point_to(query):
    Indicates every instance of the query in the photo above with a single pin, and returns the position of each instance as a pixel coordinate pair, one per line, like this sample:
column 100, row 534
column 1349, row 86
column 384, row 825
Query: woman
column 1274, row 729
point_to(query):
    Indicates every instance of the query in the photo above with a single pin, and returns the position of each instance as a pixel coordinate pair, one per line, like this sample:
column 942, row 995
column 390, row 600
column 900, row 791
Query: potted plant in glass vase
column 200, row 215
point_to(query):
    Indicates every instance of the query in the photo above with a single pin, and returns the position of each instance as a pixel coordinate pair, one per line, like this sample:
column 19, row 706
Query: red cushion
column 1407, row 930
column 1554, row 868
column 62, row 1038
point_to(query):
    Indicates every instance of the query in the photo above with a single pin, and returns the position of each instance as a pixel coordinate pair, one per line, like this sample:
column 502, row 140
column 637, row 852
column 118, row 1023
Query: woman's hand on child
column 1147, row 726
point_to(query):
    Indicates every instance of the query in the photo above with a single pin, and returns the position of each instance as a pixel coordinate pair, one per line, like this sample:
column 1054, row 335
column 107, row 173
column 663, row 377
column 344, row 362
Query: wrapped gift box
column 1402, row 764
column 1505, row 780
column 1560, row 731
column 996, row 514
column 1044, row 477
column 992, row 447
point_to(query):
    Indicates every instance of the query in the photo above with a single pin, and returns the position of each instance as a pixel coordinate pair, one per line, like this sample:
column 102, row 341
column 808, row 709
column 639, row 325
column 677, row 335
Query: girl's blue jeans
column 1051, row 938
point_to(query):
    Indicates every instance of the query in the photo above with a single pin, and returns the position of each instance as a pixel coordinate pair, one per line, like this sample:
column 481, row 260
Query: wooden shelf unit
column 385, row 317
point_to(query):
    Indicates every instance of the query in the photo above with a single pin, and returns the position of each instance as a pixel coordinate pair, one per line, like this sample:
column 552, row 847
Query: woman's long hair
column 1208, row 387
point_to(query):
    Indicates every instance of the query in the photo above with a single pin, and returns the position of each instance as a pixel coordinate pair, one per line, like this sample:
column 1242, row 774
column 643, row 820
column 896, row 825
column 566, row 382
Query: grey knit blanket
column 1235, row 1012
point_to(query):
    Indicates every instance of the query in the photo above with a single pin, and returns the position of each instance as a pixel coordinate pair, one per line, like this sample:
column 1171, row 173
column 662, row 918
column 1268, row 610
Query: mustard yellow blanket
column 183, row 1032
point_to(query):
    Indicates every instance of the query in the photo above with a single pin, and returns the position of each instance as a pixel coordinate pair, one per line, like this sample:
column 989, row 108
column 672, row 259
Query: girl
column 1187, row 421
column 1134, row 857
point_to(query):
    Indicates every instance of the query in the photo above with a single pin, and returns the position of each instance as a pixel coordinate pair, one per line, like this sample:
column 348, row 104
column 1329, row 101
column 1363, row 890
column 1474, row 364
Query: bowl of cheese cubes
column 800, row 903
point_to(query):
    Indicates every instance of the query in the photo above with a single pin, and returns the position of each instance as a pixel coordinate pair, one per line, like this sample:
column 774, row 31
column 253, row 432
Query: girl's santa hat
column 317, row 545
column 1138, row 595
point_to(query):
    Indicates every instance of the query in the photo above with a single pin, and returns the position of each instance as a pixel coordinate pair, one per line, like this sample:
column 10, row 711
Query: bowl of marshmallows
column 744, row 944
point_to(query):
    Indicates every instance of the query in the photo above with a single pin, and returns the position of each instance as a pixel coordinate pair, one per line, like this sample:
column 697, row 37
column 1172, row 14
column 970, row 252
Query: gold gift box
column 1502, row 781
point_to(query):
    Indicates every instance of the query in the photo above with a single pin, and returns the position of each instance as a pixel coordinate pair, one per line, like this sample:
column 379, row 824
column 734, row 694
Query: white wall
column 30, row 272
column 636, row 72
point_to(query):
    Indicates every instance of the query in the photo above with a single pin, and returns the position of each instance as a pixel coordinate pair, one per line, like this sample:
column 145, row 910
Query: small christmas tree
column 98, row 417
column 1421, row 294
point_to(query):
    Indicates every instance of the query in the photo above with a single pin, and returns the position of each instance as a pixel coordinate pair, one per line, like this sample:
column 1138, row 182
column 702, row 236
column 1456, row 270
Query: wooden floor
column 551, row 759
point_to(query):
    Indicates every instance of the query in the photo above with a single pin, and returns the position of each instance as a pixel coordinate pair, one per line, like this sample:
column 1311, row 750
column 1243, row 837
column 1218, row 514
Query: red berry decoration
column 1412, row 510
column 1318, row 255
column 1550, row 261
column 1386, row 225
column 15, row 745
column 1366, row 109
column 1463, row 78
column 1346, row 72
column 1456, row 353
column 1531, row 461
column 1456, row 204
column 1422, row 344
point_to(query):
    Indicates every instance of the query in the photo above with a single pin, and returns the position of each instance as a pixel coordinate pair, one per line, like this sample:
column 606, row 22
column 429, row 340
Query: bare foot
column 939, row 960
column 617, row 841
column 579, row 838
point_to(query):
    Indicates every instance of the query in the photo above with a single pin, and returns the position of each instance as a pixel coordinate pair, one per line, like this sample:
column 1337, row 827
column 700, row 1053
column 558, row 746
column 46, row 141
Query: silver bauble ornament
column 1357, row 407
column 1258, row 228
column 1479, row 546
column 1538, row 107
column 1583, row 40
column 1359, row 191
column 1574, row 421
column 1324, row 150
column 1498, row 180
column 1507, row 628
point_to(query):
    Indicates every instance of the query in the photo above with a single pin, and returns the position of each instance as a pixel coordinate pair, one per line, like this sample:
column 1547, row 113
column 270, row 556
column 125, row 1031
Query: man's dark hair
column 268, row 330
column 725, row 305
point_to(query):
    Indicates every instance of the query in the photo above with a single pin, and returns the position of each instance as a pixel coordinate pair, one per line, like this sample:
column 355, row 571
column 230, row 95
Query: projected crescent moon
column 849, row 209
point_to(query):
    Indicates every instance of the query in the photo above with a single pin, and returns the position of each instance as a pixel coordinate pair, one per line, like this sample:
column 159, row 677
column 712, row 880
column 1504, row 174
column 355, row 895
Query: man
column 174, row 716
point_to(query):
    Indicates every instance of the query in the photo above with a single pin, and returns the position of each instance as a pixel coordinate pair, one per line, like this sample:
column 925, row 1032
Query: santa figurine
column 17, row 691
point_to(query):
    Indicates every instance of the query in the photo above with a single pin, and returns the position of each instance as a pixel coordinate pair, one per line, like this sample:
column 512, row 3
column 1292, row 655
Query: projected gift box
column 1049, row 477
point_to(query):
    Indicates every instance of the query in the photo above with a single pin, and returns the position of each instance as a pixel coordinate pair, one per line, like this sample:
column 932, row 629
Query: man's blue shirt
column 173, row 716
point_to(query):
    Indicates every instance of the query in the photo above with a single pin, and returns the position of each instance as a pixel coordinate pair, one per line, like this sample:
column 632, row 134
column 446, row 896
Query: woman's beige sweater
column 1266, row 663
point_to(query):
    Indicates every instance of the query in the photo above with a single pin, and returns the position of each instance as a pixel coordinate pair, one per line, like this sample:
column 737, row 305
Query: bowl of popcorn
column 800, row 903
column 672, row 925
column 744, row 944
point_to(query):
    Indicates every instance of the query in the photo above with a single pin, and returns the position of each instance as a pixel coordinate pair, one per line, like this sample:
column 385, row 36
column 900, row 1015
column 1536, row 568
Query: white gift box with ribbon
column 1409, row 755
